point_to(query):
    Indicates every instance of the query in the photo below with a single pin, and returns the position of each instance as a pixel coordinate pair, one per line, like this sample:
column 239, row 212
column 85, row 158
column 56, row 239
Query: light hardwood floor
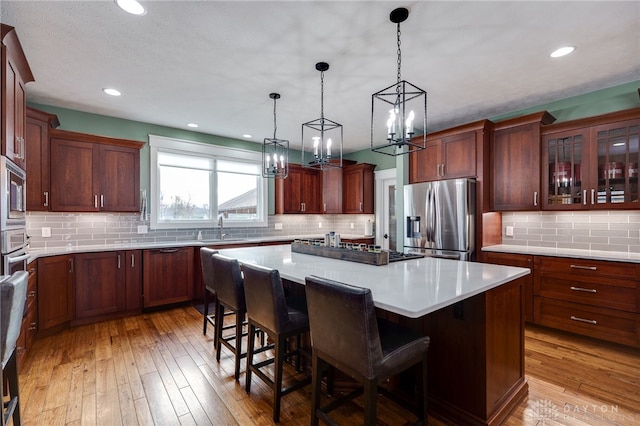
column 159, row 368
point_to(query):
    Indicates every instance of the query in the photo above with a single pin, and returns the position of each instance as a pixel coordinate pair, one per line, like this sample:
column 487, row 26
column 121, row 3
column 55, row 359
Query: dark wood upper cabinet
column 300, row 192
column 357, row 189
column 38, row 161
column 15, row 74
column 450, row 154
column 515, row 163
column 94, row 173
column 592, row 163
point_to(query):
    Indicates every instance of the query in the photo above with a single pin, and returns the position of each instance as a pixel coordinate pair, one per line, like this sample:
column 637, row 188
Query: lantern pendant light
column 275, row 152
column 322, row 137
column 399, row 112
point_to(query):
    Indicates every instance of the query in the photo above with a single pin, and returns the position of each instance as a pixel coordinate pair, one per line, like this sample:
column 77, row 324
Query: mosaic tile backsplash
column 593, row 230
column 78, row 229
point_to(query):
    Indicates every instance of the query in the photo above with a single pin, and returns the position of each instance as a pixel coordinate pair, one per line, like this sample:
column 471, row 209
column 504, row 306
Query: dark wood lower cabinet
column 29, row 325
column 100, row 284
column 168, row 276
column 522, row 261
column 55, row 291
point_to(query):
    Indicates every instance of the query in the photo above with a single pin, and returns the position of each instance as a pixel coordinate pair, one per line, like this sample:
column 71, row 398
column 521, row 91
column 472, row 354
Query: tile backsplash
column 592, row 230
column 78, row 229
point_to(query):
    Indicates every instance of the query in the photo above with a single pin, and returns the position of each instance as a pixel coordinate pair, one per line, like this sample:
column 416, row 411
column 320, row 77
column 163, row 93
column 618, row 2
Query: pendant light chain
column 399, row 55
column 275, row 125
column 322, row 95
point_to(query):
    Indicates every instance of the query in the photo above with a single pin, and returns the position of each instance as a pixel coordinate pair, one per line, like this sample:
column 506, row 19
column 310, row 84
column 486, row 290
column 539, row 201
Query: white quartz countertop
column 54, row 251
column 412, row 288
column 613, row 256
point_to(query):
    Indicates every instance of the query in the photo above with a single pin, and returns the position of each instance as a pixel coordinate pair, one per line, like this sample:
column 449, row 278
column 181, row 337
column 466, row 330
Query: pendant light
column 399, row 112
column 322, row 137
column 275, row 152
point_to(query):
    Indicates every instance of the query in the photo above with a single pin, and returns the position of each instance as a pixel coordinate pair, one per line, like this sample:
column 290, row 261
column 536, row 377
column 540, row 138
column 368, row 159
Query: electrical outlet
column 142, row 229
column 509, row 231
column 352, row 225
column 319, row 224
column 46, row 232
column 278, row 226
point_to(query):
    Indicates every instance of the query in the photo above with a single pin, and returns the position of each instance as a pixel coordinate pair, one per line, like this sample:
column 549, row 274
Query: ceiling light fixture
column 563, row 51
column 324, row 135
column 247, row 136
column 131, row 6
column 111, row 92
column 399, row 112
column 193, row 125
column 275, row 152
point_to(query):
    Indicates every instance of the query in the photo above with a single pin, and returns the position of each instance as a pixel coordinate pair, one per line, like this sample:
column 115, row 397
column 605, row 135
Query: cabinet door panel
column 424, row 164
column 516, row 168
column 458, row 154
column 99, row 284
column 120, row 178
column 55, row 291
column 9, row 95
column 312, row 191
column 133, row 268
column 37, row 152
column 73, row 185
column 332, row 191
column 167, row 276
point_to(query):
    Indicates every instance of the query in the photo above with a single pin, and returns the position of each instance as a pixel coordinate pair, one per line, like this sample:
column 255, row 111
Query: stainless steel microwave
column 13, row 202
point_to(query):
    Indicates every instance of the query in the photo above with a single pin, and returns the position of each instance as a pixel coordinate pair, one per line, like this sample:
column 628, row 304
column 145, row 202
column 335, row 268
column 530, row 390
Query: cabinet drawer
column 594, row 290
column 591, row 268
column 601, row 323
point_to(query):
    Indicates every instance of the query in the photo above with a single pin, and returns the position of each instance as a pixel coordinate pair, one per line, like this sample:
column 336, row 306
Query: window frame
column 214, row 152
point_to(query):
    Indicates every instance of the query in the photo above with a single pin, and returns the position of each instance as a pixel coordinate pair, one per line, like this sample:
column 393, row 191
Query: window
column 192, row 184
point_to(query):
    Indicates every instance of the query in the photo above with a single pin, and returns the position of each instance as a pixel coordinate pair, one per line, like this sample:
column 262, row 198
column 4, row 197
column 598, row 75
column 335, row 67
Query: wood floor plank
column 158, row 400
column 127, row 406
column 89, row 413
column 74, row 405
column 172, row 390
column 107, row 400
column 143, row 412
column 58, row 390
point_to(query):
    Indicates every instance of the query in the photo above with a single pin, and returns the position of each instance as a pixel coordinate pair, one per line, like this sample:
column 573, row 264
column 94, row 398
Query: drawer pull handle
column 168, row 250
column 588, row 321
column 589, row 268
column 586, row 290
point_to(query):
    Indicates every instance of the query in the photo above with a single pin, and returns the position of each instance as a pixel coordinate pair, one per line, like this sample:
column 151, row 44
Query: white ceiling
column 215, row 62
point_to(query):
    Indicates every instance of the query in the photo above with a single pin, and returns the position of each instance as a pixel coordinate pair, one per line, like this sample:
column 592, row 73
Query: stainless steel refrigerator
column 440, row 218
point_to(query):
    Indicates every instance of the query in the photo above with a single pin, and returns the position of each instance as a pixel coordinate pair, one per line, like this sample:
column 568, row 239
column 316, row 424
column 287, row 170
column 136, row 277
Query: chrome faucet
column 221, row 226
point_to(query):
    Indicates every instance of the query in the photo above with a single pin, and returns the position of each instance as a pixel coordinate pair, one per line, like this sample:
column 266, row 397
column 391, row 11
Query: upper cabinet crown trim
column 11, row 41
column 542, row 117
column 65, row 134
column 612, row 117
column 468, row 127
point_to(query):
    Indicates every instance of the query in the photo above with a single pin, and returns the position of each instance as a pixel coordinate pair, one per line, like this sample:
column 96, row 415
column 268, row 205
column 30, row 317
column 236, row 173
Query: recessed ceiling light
column 192, row 125
column 247, row 136
column 131, row 6
column 111, row 92
column 563, row 51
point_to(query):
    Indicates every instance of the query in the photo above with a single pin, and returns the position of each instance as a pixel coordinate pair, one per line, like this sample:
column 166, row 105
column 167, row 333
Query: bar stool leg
column 218, row 327
column 11, row 370
column 280, row 348
column 250, row 349
column 370, row 401
column 316, row 374
column 238, row 351
column 206, row 314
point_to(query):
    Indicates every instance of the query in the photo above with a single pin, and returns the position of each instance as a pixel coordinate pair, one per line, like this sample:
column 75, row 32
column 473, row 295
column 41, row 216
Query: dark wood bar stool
column 14, row 296
column 228, row 285
column 269, row 310
column 346, row 334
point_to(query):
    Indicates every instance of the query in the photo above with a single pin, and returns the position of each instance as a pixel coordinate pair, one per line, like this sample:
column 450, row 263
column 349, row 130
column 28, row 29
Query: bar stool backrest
column 227, row 281
column 266, row 301
column 14, row 296
column 343, row 325
column 207, row 267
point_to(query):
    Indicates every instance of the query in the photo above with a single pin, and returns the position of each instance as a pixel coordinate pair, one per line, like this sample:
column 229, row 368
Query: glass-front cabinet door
column 565, row 156
column 616, row 183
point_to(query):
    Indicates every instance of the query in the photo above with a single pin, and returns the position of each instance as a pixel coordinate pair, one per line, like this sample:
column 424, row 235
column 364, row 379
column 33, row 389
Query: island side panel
column 476, row 356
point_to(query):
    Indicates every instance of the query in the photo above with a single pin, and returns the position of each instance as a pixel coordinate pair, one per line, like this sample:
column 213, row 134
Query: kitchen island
column 472, row 312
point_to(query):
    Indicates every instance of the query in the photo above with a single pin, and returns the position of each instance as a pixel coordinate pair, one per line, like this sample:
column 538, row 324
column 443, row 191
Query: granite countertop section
column 411, row 288
column 613, row 256
column 54, row 251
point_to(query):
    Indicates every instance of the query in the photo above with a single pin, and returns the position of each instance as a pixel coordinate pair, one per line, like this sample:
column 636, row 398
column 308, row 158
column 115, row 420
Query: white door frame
column 382, row 204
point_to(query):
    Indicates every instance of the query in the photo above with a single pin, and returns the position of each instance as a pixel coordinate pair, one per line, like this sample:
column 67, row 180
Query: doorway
column 386, row 224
